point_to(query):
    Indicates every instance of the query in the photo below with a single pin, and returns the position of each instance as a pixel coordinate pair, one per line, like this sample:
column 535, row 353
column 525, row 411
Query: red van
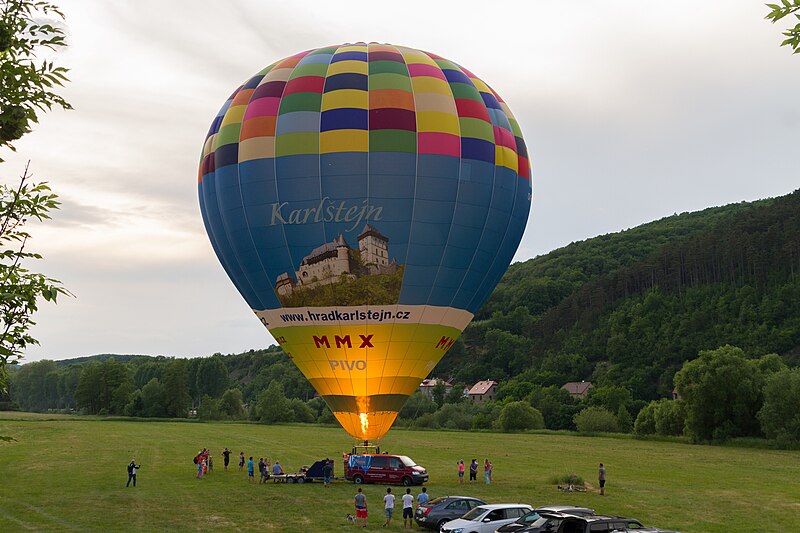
column 383, row 468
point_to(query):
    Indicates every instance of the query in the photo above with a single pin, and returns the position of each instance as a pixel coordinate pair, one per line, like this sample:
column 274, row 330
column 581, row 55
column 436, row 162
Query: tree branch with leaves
column 27, row 83
column 778, row 12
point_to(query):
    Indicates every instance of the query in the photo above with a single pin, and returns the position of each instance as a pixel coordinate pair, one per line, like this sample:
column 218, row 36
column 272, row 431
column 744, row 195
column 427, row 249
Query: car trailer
column 307, row 474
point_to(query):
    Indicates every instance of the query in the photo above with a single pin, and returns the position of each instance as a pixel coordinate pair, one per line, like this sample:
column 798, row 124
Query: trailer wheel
column 292, row 480
column 301, row 480
column 358, row 479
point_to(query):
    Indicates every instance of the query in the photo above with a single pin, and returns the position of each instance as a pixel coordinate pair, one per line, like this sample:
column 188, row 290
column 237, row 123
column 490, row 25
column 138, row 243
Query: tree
column 780, row 11
column 519, row 416
column 273, row 406
column 176, row 389
column 723, row 392
column 230, row 404
column 26, row 90
column 438, row 392
column 153, row 399
column 780, row 418
column 212, row 377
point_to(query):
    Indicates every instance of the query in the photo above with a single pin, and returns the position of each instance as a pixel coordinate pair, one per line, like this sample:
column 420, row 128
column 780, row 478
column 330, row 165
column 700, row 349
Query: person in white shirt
column 389, row 501
column 408, row 509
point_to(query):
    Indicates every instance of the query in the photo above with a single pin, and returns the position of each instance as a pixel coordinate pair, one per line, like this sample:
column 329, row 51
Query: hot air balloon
column 365, row 199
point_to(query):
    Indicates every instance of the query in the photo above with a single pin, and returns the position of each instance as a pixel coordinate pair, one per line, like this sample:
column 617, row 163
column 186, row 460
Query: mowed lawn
column 69, row 474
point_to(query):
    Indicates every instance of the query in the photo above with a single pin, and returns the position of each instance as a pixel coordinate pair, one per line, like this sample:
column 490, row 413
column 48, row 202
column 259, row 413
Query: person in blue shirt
column 251, row 475
column 422, row 497
column 276, row 469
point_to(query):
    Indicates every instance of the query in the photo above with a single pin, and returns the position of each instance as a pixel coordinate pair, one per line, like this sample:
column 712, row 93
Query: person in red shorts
column 361, row 508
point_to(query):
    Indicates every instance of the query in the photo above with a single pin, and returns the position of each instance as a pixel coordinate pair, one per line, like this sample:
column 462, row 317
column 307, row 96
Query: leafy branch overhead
column 26, row 82
column 787, row 7
column 27, row 28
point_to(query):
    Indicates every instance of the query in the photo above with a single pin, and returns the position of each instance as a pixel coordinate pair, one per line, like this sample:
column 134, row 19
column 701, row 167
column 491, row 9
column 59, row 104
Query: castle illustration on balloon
column 336, row 262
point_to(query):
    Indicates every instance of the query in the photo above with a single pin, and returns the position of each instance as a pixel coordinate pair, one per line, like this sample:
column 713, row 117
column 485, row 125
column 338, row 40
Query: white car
column 486, row 518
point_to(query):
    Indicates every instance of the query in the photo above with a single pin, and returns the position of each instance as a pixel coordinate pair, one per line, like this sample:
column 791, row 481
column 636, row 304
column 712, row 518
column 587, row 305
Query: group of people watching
column 473, row 471
column 360, row 502
column 204, row 462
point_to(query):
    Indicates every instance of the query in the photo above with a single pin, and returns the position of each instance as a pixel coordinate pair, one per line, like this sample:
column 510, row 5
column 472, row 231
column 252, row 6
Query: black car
column 599, row 524
column 535, row 523
column 438, row 511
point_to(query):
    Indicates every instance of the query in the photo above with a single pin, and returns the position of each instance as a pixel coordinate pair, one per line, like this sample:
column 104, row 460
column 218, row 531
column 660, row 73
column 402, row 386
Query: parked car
column 486, row 518
column 384, row 468
column 599, row 524
column 438, row 511
column 535, row 523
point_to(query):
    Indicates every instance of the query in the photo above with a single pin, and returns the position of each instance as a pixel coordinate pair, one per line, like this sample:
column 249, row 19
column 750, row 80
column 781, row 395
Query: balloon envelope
column 365, row 199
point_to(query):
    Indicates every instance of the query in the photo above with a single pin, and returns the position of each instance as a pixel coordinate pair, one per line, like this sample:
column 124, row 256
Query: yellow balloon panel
column 366, row 372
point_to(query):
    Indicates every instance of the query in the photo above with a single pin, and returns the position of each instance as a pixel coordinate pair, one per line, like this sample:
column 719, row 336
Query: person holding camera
column 132, row 468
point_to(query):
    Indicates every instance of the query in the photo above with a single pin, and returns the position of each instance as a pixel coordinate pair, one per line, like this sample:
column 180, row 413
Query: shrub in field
column 779, row 417
column 518, row 416
column 646, row 420
column 454, row 416
column 670, row 416
column 566, row 479
column 596, row 419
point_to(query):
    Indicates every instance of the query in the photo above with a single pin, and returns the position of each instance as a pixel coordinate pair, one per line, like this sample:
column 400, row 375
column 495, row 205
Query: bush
column 646, row 420
column 596, row 419
column 301, row 411
column 519, row 416
column 670, row 417
column 454, row 416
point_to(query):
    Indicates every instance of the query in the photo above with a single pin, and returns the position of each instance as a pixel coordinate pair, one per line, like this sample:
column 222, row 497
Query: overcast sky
column 631, row 110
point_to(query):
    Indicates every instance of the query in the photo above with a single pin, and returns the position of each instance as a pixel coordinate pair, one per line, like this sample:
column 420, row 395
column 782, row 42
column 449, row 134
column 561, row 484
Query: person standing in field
column 327, row 473
column 408, row 506
column 361, row 508
column 473, row 471
column 226, row 457
column 388, row 501
column 199, row 467
column 251, row 475
column 461, row 471
column 601, row 478
column 422, row 497
column 132, row 468
column 487, row 470
column 241, row 461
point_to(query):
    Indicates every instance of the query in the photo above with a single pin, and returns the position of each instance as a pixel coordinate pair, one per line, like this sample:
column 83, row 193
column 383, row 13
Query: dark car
column 438, row 511
column 598, row 524
column 535, row 523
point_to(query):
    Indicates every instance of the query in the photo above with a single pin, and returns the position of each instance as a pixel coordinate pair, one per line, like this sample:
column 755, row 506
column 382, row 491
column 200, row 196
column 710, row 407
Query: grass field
column 66, row 473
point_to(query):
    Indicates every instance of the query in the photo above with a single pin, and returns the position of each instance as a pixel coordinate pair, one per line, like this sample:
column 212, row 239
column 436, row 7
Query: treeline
column 237, row 386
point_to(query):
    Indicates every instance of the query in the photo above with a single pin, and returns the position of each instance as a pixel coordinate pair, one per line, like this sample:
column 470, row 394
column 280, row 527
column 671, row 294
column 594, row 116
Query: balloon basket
column 366, row 448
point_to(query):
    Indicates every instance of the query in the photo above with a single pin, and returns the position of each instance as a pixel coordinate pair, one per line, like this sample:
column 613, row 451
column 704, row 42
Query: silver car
column 487, row 518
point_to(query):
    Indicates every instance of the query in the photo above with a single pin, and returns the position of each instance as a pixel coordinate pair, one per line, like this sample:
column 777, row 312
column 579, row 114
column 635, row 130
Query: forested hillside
column 629, row 308
column 626, row 311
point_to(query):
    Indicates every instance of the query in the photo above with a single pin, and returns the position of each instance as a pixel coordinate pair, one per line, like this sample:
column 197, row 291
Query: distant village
column 486, row 390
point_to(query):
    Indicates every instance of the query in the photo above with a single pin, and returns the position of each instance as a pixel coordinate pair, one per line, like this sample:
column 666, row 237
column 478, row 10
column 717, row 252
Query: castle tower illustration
column 374, row 246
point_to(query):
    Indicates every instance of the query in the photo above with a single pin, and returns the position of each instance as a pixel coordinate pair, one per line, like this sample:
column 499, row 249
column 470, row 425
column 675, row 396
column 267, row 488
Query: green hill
column 629, row 308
